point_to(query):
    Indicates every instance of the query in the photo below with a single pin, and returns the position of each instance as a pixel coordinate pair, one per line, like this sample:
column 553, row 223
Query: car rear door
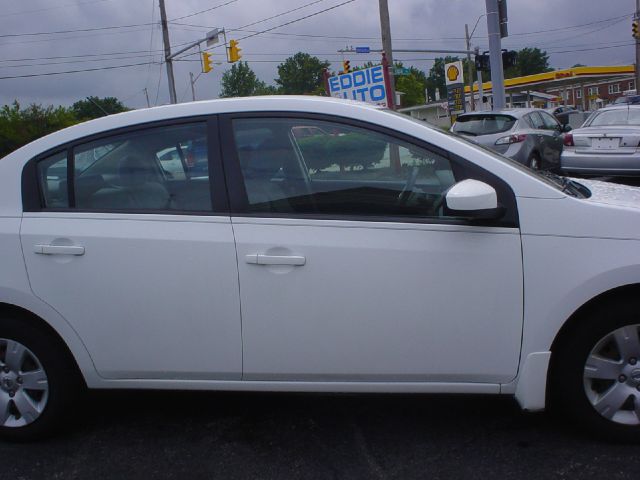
column 349, row 268
column 135, row 250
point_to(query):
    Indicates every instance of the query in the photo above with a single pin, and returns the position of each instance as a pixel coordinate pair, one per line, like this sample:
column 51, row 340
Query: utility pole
column 637, row 18
column 495, row 53
column 470, row 68
column 385, row 29
column 167, row 53
column 193, row 87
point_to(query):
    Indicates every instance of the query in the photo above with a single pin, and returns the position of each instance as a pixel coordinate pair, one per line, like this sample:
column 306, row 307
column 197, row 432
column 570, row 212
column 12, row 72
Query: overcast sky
column 559, row 27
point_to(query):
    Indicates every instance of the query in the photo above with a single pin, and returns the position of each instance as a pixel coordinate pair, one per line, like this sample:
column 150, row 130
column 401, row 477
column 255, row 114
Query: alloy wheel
column 612, row 376
column 24, row 387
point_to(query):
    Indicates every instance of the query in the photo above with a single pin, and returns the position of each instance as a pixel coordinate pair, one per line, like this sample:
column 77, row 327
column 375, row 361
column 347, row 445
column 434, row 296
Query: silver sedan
column 607, row 143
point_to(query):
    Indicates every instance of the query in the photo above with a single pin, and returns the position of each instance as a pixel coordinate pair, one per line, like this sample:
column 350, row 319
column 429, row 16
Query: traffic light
column 207, row 64
column 234, row 51
column 502, row 16
column 346, row 66
column 482, row 62
column 509, row 58
column 634, row 29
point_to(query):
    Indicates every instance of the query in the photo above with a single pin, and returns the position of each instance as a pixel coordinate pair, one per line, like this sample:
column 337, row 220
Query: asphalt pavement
column 197, row 435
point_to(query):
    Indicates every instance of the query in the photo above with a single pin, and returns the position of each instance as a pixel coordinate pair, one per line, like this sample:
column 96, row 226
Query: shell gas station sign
column 454, row 80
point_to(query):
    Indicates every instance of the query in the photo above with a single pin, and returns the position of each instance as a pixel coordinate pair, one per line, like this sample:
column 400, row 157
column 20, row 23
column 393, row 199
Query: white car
column 375, row 254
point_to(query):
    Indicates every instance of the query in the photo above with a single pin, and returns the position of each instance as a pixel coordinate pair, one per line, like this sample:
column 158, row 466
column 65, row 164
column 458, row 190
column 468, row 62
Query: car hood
column 612, row 193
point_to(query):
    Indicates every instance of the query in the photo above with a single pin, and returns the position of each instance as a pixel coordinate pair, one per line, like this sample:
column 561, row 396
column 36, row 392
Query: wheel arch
column 42, row 316
column 40, row 324
column 609, row 296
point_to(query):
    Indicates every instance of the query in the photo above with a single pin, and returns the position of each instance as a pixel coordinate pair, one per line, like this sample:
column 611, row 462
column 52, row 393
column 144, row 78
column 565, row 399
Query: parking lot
column 131, row 435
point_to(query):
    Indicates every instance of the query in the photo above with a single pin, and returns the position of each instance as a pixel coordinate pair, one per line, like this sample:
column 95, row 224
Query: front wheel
column 37, row 381
column 595, row 377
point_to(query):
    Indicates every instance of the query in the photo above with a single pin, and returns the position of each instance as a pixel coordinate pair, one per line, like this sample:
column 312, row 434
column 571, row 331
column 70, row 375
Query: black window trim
column 33, row 198
column 238, row 200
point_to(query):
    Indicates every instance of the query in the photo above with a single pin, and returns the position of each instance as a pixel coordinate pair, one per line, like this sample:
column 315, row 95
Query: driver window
column 310, row 166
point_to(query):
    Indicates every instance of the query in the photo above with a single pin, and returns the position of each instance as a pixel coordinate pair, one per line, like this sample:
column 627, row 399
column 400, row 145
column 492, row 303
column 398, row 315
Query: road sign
column 454, row 81
column 363, row 50
column 401, row 71
column 366, row 85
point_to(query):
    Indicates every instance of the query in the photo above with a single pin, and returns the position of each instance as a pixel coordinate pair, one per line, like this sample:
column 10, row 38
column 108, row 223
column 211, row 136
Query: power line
column 203, row 11
column 74, row 71
column 279, row 14
column 78, row 30
column 285, row 24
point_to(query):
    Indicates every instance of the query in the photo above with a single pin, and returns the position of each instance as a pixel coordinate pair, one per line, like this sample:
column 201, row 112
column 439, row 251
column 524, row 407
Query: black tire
column 63, row 379
column 567, row 390
column 534, row 162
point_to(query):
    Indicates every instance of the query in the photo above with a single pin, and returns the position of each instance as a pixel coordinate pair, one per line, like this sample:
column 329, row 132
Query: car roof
column 514, row 112
column 272, row 103
column 622, row 106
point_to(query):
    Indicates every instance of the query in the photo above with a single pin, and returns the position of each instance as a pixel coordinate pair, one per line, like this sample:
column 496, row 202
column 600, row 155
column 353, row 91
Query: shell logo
column 453, row 73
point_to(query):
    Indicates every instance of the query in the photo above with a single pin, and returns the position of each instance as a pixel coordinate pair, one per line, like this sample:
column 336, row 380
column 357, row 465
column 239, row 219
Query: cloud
column 416, row 24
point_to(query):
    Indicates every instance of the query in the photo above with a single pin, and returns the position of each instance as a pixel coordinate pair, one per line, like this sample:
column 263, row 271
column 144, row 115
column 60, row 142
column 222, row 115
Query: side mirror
column 566, row 128
column 474, row 199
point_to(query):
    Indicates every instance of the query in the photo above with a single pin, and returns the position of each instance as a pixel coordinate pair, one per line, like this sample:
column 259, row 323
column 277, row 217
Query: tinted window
column 308, row 166
column 52, row 175
column 484, row 124
column 163, row 168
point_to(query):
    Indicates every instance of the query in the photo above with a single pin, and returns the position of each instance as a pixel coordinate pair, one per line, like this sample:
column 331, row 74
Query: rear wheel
column 37, row 381
column 595, row 378
column 534, row 162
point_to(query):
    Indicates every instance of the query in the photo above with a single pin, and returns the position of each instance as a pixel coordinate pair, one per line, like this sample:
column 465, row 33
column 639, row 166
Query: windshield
column 619, row 116
column 484, row 124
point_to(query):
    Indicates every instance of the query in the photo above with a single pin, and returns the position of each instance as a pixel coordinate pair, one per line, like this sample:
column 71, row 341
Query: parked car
column 390, row 257
column 529, row 136
column 606, row 144
column 627, row 99
column 562, row 113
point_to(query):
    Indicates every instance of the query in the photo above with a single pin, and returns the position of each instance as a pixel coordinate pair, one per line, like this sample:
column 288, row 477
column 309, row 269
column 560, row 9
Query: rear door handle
column 259, row 259
column 58, row 249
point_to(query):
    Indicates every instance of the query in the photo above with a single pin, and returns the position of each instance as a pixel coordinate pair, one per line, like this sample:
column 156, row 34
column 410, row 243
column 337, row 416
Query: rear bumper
column 600, row 163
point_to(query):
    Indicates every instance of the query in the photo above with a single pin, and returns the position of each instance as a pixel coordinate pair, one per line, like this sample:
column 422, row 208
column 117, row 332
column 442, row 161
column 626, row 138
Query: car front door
column 350, row 267
column 128, row 247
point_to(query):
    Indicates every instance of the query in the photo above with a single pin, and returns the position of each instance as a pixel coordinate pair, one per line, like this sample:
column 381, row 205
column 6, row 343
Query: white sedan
column 325, row 246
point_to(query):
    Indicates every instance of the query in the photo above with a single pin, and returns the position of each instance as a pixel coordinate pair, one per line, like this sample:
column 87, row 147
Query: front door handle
column 260, row 259
column 58, row 250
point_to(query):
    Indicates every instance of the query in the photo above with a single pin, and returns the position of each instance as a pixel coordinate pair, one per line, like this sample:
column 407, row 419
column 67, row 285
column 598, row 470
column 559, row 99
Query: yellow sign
column 453, row 73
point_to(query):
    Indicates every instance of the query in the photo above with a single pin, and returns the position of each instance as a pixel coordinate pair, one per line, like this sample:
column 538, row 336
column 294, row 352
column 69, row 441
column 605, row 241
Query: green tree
column 530, row 62
column 412, row 85
column 301, row 74
column 95, row 107
column 241, row 81
column 19, row 126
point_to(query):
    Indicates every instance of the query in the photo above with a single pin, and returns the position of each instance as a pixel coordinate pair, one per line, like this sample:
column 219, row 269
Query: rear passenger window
column 163, row 168
column 52, row 175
